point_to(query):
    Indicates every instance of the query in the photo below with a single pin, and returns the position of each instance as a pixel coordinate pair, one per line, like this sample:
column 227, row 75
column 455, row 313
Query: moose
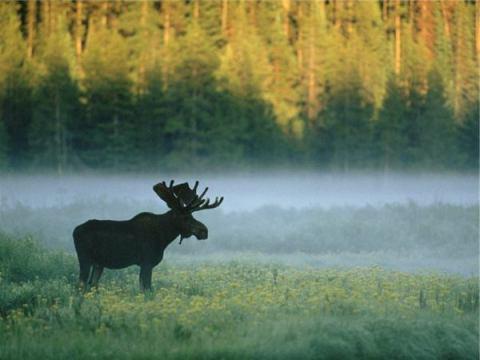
column 143, row 239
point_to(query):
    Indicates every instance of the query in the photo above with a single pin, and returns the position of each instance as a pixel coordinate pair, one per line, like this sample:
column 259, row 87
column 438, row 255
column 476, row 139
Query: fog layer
column 248, row 192
column 406, row 222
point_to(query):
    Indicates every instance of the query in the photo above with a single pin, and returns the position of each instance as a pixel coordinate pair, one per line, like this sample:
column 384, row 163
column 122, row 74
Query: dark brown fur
column 140, row 241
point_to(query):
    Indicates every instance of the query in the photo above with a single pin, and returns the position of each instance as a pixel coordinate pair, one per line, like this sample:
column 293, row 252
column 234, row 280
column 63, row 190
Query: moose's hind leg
column 85, row 267
column 96, row 274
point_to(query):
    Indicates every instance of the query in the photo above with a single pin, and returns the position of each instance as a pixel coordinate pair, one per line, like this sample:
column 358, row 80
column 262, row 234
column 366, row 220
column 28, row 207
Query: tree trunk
column 318, row 18
column 446, row 23
column 46, row 17
column 311, row 75
column 300, row 38
column 196, row 9
column 225, row 17
column 166, row 41
column 426, row 26
column 79, row 33
column 78, row 29
column 253, row 12
column 398, row 27
column 350, row 11
column 141, row 66
column 384, row 10
column 286, row 21
column 411, row 11
column 31, row 19
column 104, row 18
column 477, row 30
column 338, row 5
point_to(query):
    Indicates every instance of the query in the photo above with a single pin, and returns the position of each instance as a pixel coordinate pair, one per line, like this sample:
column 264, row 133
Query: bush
column 23, row 260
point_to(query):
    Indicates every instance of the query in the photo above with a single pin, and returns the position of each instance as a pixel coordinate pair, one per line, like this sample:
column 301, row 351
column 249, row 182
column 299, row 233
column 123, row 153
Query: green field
column 234, row 309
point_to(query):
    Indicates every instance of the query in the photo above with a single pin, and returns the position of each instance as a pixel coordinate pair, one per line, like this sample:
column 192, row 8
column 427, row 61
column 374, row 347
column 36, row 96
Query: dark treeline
column 166, row 84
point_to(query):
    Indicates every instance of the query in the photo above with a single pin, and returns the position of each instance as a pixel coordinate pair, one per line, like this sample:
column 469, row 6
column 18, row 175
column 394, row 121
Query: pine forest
column 178, row 85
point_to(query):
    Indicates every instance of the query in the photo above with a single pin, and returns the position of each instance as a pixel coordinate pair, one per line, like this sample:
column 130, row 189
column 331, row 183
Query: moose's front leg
column 146, row 277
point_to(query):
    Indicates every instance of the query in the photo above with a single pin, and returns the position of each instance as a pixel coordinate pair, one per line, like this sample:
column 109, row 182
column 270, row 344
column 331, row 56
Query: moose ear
column 166, row 194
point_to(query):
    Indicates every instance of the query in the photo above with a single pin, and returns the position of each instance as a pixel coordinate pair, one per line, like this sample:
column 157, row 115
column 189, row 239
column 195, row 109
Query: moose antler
column 181, row 197
column 198, row 203
column 167, row 194
column 204, row 205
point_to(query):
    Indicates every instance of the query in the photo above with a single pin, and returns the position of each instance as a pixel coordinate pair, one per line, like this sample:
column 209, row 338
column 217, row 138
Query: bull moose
column 143, row 239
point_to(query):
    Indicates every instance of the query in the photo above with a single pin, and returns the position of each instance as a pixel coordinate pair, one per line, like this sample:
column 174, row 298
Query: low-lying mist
column 246, row 192
column 408, row 222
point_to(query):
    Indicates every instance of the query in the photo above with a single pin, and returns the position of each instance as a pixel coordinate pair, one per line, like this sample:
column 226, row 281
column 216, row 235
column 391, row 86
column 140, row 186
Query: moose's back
column 113, row 244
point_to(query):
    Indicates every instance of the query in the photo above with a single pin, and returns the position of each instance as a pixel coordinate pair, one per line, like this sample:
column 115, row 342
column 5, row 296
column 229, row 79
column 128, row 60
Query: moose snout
column 201, row 233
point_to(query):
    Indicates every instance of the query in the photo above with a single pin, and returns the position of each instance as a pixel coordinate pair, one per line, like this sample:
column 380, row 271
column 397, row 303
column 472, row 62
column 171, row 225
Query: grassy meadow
column 231, row 310
column 397, row 281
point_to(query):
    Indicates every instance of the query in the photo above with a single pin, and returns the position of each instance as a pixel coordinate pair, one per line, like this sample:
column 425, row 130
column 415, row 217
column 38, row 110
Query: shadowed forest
column 175, row 85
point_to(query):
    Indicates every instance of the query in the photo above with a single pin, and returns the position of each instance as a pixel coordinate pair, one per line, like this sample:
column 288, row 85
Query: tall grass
column 232, row 310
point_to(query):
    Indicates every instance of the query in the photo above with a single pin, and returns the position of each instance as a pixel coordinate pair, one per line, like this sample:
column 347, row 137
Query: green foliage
column 367, row 49
column 237, row 310
column 23, row 260
column 391, row 128
column 190, row 101
column 12, row 47
column 106, row 136
column 444, row 63
column 55, row 102
column 15, row 89
column 468, row 139
column 466, row 66
column 436, row 130
column 348, row 125
column 199, row 84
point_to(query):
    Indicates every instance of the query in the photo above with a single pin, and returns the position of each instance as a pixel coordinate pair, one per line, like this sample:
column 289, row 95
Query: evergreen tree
column 243, row 73
column 151, row 118
column 415, row 112
column 244, row 66
column 281, row 86
column 436, row 131
column 468, row 138
column 466, row 71
column 177, row 83
column 55, row 101
column 189, row 98
column 367, row 45
column 108, row 131
column 415, row 64
column 348, row 117
column 443, row 52
column 312, row 52
column 390, row 128
column 10, row 57
column 138, row 23
column 15, row 88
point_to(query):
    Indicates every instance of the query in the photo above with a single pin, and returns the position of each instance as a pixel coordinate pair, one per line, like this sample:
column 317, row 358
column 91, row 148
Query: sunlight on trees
column 189, row 84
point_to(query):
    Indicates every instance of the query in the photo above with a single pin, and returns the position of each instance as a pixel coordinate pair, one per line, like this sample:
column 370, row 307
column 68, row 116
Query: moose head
column 183, row 201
